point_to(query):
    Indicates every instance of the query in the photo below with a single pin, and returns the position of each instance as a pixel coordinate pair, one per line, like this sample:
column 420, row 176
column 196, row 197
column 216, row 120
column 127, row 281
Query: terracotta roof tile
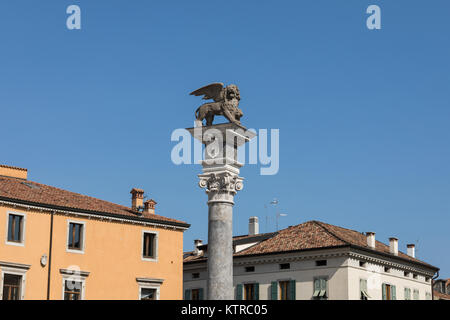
column 40, row 194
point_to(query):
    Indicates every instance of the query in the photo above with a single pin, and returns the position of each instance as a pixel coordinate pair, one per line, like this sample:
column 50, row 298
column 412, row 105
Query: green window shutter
column 292, row 290
column 394, row 295
column 274, row 290
column 256, row 292
column 239, row 292
column 383, row 290
column 187, row 294
column 317, row 285
column 200, row 294
column 323, row 286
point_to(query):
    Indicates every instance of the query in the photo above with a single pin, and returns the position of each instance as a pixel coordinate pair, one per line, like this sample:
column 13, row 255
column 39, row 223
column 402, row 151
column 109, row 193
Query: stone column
column 221, row 180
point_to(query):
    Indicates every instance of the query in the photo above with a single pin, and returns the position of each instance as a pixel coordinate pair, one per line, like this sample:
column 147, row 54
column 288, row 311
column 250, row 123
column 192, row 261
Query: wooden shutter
column 291, row 290
column 323, row 286
column 394, row 295
column 383, row 290
column 200, row 294
column 187, row 294
column 239, row 292
column 274, row 290
column 256, row 292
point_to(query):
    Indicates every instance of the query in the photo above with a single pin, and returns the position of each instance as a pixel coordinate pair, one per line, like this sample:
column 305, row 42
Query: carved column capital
column 221, row 182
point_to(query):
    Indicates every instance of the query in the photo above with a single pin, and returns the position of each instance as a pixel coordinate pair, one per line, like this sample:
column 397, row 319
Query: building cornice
column 93, row 214
column 383, row 262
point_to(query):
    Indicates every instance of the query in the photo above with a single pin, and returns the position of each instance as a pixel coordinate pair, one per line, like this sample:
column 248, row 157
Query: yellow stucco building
column 56, row 244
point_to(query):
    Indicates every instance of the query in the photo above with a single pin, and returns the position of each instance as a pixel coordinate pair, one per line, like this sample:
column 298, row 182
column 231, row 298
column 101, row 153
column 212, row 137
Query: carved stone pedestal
column 221, row 180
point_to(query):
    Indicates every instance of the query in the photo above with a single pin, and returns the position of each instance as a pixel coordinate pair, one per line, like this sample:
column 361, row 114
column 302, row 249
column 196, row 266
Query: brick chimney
column 13, row 172
column 371, row 239
column 253, row 226
column 411, row 250
column 393, row 246
column 149, row 206
column 137, row 198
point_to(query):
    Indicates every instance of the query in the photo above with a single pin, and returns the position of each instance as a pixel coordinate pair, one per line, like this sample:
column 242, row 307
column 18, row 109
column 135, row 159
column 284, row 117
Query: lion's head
column 232, row 92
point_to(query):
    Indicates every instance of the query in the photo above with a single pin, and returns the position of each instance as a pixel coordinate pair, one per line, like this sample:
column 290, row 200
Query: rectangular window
column 284, row 266
column 148, row 294
column 75, row 236
column 320, row 289
column 407, row 294
column 11, row 286
column 149, row 245
column 197, row 294
column 250, row 269
column 406, row 274
column 249, row 291
column 195, row 275
column 362, row 264
column 320, row 263
column 72, row 290
column 387, row 269
column 284, row 290
column 416, row 294
column 363, row 289
column 15, row 228
column 388, row 292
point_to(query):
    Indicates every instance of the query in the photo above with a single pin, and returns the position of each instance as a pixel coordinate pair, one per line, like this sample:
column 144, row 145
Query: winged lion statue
column 226, row 102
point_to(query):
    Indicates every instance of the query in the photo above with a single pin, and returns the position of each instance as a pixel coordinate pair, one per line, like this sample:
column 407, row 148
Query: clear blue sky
column 363, row 115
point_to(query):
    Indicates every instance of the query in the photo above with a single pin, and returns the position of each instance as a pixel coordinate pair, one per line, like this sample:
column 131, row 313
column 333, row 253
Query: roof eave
column 422, row 264
column 98, row 213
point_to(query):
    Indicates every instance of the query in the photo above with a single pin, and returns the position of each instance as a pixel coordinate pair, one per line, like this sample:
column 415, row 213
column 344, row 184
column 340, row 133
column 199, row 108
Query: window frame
column 82, row 237
column 363, row 292
column 148, row 285
column 81, row 289
column 254, row 288
column 284, row 266
column 156, row 245
column 327, row 295
column 20, row 243
column 391, row 294
column 407, row 296
column 14, row 271
column 288, row 284
column 76, row 276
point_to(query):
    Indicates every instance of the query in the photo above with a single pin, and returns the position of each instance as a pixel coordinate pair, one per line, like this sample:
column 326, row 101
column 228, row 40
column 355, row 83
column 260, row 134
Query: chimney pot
column 198, row 243
column 253, row 226
column 393, row 246
column 371, row 239
column 137, row 198
column 149, row 206
column 411, row 250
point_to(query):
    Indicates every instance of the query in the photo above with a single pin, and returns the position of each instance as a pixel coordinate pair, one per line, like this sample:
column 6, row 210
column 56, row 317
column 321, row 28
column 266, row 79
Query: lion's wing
column 211, row 91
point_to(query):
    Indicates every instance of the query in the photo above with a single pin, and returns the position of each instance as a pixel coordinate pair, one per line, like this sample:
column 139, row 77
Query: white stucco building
column 315, row 260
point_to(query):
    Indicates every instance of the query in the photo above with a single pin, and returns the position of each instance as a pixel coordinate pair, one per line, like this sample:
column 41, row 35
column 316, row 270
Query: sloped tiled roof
column 441, row 296
column 315, row 235
column 33, row 193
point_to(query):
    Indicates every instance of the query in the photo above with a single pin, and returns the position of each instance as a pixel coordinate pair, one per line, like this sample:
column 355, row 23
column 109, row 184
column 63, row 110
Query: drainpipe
column 50, row 255
column 432, row 279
